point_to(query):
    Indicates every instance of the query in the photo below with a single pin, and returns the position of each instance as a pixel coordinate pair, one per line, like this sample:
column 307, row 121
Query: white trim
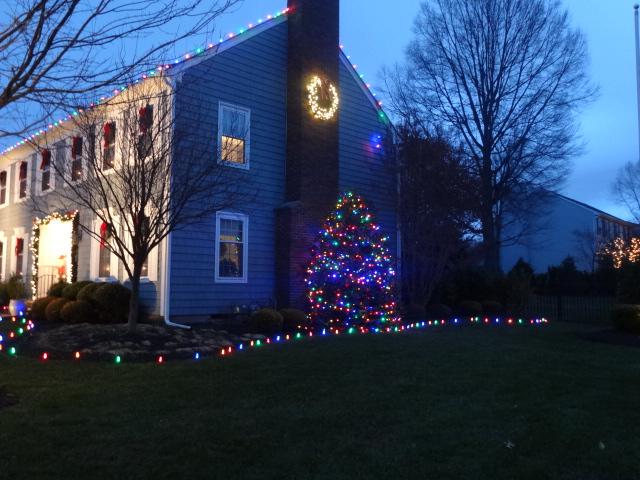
column 94, row 263
column 247, row 138
column 3, row 257
column 16, row 180
column 7, row 195
column 245, row 244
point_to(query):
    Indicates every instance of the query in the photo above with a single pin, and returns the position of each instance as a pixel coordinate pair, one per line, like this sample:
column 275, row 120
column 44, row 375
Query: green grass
column 431, row 405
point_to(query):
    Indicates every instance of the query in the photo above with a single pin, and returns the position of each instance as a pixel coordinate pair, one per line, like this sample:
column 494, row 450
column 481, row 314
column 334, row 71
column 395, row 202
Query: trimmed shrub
column 470, row 309
column 415, row 311
column 4, row 295
column 112, row 301
column 439, row 311
column 78, row 312
column 39, row 307
column 16, row 288
column 56, row 289
column 491, row 307
column 266, row 320
column 52, row 312
column 626, row 318
column 86, row 293
column 70, row 292
column 293, row 319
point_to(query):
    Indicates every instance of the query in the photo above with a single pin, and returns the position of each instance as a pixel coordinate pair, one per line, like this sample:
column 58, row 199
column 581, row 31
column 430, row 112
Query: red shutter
column 109, row 133
column 145, row 118
column 46, row 158
column 19, row 246
column 76, row 148
column 23, row 171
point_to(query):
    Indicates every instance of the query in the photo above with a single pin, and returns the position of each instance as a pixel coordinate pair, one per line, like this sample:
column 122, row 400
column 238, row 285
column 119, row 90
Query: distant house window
column 4, row 182
column 76, row 159
column 19, row 252
column 234, row 125
column 145, row 135
column 45, row 170
column 109, row 145
column 231, row 247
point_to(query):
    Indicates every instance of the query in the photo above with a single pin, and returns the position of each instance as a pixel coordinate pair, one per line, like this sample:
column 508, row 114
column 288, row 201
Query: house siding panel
column 252, row 75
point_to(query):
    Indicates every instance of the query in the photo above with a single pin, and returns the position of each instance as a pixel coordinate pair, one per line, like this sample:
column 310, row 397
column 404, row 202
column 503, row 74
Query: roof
column 199, row 54
column 595, row 210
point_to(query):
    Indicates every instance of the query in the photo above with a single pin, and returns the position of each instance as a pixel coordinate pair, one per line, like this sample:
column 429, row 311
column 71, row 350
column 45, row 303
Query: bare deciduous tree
column 626, row 188
column 506, row 79
column 141, row 171
column 53, row 52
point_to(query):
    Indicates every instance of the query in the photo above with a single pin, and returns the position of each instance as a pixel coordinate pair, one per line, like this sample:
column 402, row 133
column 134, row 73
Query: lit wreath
column 322, row 113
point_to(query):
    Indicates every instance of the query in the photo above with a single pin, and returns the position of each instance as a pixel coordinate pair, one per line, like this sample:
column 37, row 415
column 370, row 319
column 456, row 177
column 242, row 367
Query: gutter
column 166, row 307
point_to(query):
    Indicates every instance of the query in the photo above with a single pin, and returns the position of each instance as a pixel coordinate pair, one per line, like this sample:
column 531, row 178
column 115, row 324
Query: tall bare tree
column 140, row 171
column 626, row 188
column 55, row 52
column 506, row 79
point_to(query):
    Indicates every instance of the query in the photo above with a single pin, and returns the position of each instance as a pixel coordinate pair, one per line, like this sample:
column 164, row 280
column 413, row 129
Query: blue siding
column 364, row 169
column 252, row 74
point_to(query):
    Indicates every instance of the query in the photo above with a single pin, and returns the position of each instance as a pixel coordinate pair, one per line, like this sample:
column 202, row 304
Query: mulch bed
column 104, row 342
column 614, row 337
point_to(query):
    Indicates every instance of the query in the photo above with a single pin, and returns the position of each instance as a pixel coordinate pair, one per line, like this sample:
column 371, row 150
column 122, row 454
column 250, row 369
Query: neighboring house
column 566, row 227
column 296, row 158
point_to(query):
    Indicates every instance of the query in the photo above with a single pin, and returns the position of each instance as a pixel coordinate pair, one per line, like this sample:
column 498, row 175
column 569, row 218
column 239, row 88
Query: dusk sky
column 376, row 32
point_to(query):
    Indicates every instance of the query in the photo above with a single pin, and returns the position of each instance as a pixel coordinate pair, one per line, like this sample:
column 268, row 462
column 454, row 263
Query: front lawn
column 460, row 403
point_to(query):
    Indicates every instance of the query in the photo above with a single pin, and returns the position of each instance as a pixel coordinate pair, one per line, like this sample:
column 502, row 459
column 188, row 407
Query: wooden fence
column 575, row 309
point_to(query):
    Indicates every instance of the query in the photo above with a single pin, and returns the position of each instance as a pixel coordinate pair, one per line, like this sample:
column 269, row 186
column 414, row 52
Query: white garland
column 322, row 113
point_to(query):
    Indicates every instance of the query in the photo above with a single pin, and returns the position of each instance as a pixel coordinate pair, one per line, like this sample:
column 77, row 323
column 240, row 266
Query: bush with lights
column 351, row 277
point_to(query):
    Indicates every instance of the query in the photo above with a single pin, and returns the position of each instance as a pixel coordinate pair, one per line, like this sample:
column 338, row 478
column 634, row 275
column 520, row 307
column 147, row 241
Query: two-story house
column 295, row 154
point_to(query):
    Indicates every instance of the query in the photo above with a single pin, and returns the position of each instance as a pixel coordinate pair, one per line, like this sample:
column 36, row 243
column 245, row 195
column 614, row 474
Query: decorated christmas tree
column 351, row 277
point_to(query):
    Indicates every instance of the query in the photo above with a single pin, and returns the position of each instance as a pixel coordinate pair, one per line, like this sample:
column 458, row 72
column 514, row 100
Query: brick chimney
column 312, row 169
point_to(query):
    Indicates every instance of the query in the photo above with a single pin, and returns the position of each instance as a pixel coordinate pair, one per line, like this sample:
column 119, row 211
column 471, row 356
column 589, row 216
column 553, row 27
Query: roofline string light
column 196, row 52
column 27, row 325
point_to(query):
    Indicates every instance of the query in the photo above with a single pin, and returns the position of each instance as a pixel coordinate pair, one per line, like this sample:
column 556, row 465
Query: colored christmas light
column 351, row 278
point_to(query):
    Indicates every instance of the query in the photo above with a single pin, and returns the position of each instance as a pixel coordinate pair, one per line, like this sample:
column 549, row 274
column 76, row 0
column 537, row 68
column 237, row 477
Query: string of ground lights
column 196, row 52
column 22, row 326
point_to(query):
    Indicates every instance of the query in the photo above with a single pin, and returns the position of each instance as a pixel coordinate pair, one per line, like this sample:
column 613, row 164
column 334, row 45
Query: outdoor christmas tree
column 351, row 276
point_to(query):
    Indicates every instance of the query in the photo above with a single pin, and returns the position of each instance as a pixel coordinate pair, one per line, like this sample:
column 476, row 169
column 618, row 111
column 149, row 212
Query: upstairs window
column 76, row 159
column 23, row 180
column 231, row 248
column 19, row 252
column 145, row 135
column 109, row 145
column 45, row 170
column 234, row 135
column 4, row 182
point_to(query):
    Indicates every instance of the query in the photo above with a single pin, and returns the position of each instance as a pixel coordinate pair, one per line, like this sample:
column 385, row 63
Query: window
column 44, row 171
column 104, row 257
column 76, row 159
column 231, row 248
column 234, row 135
column 19, row 256
column 145, row 137
column 22, row 186
column 4, row 184
column 109, row 150
column 2, row 243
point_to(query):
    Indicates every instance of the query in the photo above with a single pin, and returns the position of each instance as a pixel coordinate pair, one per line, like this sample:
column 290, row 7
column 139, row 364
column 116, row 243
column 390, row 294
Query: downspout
column 167, row 254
